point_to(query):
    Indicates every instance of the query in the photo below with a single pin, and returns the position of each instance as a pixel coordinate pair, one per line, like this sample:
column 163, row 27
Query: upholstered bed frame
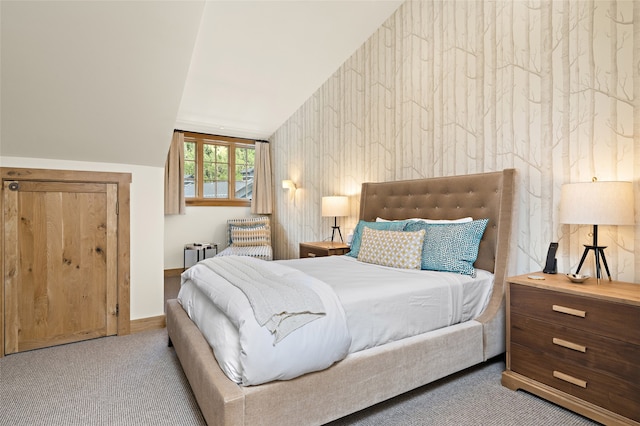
column 365, row 378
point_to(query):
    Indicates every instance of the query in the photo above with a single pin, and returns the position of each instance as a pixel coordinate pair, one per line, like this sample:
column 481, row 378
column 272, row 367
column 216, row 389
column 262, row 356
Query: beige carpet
column 469, row 398
column 137, row 380
column 128, row 380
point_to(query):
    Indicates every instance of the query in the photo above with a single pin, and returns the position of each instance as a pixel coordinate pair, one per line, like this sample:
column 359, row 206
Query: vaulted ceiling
column 108, row 81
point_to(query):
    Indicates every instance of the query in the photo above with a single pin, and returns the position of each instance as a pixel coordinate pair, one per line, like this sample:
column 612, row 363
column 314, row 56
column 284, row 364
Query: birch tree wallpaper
column 550, row 88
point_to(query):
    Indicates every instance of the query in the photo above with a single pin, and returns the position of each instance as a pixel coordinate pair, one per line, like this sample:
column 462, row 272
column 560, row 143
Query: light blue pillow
column 451, row 247
column 380, row 226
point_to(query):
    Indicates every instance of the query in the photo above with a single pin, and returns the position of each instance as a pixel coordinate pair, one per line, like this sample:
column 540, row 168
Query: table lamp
column 596, row 203
column 335, row 206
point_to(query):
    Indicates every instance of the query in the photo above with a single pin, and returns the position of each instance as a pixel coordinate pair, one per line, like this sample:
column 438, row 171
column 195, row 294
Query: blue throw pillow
column 451, row 247
column 380, row 226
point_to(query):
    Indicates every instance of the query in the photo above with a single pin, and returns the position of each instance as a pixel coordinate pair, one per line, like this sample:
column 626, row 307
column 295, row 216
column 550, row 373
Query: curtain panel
column 174, row 177
column 262, row 200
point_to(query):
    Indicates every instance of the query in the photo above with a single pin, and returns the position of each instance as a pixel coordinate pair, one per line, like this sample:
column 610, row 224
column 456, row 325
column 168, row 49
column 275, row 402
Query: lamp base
column 598, row 251
column 333, row 233
column 334, row 227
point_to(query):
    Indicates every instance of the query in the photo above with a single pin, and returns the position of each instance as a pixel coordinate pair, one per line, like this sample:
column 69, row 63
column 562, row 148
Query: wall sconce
column 288, row 184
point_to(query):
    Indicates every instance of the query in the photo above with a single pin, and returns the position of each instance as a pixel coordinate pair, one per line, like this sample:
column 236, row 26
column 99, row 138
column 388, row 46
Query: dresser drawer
column 585, row 313
column 598, row 388
column 592, row 351
column 323, row 248
column 312, row 252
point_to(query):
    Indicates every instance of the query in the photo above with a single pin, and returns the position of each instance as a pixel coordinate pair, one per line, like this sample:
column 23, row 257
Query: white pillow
column 397, row 249
column 462, row 220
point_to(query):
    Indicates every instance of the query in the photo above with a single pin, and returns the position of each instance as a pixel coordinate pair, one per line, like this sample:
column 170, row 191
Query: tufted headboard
column 482, row 195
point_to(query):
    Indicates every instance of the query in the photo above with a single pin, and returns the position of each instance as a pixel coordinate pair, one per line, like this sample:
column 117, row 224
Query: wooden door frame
column 123, row 180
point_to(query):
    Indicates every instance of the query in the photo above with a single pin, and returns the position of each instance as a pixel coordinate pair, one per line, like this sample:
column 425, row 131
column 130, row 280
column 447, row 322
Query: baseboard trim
column 173, row 272
column 146, row 324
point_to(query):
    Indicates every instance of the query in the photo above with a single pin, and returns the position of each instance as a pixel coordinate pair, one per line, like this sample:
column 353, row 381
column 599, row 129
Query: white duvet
column 245, row 350
column 370, row 305
column 385, row 304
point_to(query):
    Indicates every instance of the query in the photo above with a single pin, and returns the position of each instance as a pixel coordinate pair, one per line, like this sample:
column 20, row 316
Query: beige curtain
column 261, row 202
column 174, row 176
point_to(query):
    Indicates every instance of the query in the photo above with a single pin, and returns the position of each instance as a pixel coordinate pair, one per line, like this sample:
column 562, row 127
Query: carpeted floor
column 128, row 380
column 471, row 397
column 137, row 380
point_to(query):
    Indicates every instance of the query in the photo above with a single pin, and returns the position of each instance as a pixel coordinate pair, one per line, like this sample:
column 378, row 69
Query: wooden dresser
column 577, row 345
column 323, row 248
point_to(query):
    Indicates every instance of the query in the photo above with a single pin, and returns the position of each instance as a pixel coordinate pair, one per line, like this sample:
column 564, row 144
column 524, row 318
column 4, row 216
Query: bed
column 369, row 376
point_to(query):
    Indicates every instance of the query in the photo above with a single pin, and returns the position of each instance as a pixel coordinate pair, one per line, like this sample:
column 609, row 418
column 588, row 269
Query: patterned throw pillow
column 246, row 222
column 451, row 247
column 243, row 236
column 392, row 248
column 357, row 233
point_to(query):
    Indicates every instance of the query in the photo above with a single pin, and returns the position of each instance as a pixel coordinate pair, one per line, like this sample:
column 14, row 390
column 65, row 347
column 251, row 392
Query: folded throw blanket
column 279, row 303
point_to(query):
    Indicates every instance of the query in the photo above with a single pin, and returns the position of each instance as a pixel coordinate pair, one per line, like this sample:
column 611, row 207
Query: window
column 218, row 170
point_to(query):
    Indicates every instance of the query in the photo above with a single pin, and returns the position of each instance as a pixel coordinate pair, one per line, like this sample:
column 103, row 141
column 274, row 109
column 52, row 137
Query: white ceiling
column 108, row 81
column 256, row 62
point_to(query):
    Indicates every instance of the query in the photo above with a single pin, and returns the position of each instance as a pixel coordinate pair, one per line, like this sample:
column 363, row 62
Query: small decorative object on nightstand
column 323, row 248
column 576, row 345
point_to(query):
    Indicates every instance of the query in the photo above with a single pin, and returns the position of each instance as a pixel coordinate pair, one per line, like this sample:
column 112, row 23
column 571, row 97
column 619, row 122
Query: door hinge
column 117, row 208
column 117, row 309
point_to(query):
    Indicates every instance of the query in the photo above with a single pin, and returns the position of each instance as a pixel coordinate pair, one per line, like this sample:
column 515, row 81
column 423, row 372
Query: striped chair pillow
column 247, row 222
column 243, row 236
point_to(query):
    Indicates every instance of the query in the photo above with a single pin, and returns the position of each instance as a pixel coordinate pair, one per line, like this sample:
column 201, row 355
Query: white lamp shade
column 597, row 203
column 335, row 206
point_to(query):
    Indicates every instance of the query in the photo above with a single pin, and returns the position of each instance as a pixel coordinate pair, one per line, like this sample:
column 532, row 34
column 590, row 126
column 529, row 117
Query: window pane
column 190, row 151
column 209, row 171
column 209, row 153
column 214, row 185
column 222, row 154
column 189, row 169
column 189, row 187
column 217, row 189
column 245, row 160
column 216, row 171
column 244, row 184
column 215, row 162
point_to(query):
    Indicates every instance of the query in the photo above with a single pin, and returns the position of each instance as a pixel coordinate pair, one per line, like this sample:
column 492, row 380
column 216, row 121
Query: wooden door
column 60, row 244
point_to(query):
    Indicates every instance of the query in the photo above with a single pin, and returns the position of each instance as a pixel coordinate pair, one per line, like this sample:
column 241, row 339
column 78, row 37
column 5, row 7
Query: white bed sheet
column 384, row 304
column 381, row 304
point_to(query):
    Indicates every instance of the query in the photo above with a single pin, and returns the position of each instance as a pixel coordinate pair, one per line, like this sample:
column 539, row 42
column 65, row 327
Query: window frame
column 200, row 139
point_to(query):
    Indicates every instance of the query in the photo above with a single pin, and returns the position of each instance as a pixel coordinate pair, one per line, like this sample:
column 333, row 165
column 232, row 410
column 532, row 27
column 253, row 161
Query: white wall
column 147, row 222
column 199, row 224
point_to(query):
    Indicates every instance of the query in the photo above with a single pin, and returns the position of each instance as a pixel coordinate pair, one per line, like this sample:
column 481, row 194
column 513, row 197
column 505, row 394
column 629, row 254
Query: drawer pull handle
column 570, row 379
column 569, row 311
column 569, row 345
column 311, row 254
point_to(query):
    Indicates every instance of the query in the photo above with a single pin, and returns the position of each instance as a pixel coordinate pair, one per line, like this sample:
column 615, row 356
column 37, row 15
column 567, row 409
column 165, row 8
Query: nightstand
column 323, row 248
column 576, row 345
